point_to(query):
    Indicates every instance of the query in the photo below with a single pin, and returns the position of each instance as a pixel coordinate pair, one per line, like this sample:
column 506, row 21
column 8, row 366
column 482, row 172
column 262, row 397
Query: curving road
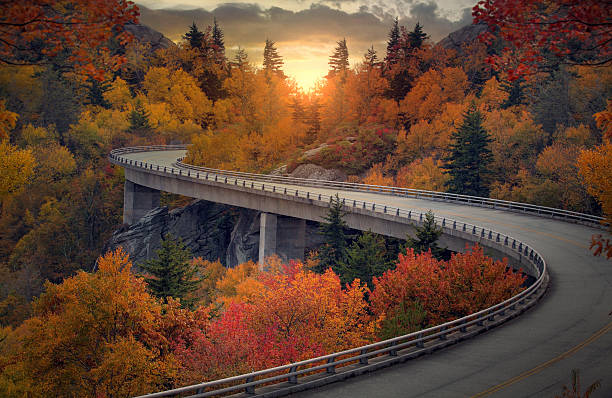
column 530, row 356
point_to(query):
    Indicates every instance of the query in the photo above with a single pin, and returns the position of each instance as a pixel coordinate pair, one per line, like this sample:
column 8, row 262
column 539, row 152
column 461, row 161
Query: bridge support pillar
column 283, row 236
column 137, row 201
column 267, row 235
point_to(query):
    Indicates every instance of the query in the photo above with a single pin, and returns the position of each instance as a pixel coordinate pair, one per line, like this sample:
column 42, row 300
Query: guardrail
column 551, row 212
column 373, row 355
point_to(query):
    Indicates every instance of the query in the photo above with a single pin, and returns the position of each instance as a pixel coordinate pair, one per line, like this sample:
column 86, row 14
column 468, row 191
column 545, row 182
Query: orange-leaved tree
column 298, row 314
column 422, row 291
column 36, row 31
column 94, row 335
column 573, row 32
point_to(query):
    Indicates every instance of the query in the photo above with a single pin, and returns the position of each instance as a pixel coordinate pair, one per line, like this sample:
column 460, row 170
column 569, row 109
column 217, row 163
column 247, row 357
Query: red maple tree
column 574, row 32
column 37, row 31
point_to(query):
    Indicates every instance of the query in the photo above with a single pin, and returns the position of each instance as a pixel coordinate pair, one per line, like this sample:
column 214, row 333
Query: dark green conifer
column 470, row 156
column 95, row 93
column 393, row 42
column 426, row 237
column 366, row 258
column 417, row 37
column 333, row 253
column 171, row 273
column 272, row 61
column 194, row 37
column 218, row 42
column 139, row 120
column 339, row 60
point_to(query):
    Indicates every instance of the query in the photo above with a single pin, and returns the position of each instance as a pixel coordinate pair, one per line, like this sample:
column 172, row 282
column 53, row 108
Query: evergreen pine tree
column 194, row 37
column 241, row 59
column 95, row 93
column 218, row 42
column 298, row 113
column 371, row 58
column 393, row 42
column 333, row 253
column 139, row 120
column 426, row 237
column 515, row 92
column 470, row 156
column 313, row 121
column 366, row 257
column 272, row 61
column 417, row 37
column 338, row 62
column 171, row 274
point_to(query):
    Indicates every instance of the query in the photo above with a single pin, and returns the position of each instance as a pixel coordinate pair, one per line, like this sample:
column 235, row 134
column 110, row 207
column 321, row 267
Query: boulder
column 312, row 171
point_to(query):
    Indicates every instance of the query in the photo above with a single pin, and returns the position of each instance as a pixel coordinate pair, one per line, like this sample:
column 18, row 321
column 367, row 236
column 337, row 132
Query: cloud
column 310, row 33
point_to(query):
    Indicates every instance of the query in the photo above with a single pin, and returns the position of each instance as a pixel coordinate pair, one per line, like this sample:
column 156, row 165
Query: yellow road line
column 546, row 364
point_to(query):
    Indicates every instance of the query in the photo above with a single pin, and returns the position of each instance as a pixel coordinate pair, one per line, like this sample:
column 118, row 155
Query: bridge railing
column 406, row 346
column 551, row 212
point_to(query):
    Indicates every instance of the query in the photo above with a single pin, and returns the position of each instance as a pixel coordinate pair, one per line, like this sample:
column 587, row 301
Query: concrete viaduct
column 531, row 355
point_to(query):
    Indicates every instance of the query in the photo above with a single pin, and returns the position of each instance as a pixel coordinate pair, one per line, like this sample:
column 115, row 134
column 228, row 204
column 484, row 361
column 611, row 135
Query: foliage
column 366, row 257
column 36, row 31
column 576, row 389
column 426, row 237
column 445, row 290
column 594, row 167
column 467, row 164
column 16, row 168
column 333, row 253
column 93, row 335
column 171, row 273
column 272, row 61
column 568, row 31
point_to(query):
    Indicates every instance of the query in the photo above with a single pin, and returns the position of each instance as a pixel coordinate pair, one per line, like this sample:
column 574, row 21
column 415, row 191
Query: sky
column 306, row 32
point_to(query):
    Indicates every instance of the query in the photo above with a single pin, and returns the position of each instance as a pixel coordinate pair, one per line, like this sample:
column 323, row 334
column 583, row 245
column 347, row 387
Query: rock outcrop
column 147, row 35
column 210, row 230
column 317, row 172
column 466, row 35
column 205, row 227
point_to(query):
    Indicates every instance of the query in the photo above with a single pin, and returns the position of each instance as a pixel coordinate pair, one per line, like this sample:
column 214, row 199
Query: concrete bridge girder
column 282, row 223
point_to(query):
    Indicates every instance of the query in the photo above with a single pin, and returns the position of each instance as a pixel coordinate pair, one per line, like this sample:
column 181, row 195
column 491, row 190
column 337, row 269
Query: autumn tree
column 39, row 31
column 92, row 335
column 171, row 274
column 333, row 231
column 594, row 165
column 443, row 290
column 467, row 164
column 569, row 32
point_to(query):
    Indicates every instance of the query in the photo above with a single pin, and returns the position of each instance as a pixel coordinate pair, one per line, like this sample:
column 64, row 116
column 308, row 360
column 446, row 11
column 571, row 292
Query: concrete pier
column 267, row 235
column 137, row 201
column 281, row 235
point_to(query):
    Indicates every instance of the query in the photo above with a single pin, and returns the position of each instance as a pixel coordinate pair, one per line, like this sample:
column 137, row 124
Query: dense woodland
column 74, row 320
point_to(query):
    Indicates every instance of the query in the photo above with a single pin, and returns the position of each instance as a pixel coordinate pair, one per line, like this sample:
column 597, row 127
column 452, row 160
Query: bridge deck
column 567, row 319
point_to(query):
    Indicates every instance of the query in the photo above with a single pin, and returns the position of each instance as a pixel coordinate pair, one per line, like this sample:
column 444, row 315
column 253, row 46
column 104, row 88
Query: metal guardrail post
column 250, row 389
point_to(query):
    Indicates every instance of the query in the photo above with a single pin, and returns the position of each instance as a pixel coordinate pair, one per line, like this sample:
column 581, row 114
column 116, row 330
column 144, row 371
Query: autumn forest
column 519, row 114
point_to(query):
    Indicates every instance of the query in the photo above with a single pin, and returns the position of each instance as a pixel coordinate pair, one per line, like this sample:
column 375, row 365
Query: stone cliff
column 210, row 230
